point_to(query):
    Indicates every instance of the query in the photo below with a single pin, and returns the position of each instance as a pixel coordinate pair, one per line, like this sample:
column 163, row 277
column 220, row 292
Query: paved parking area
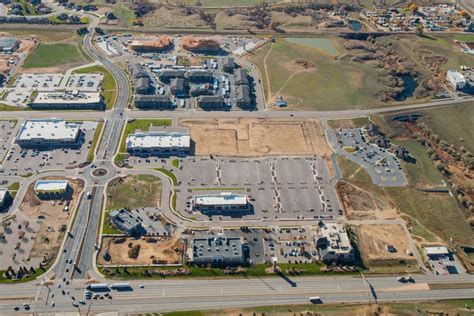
column 447, row 265
column 8, row 130
column 20, row 161
column 383, row 166
column 84, row 82
column 44, row 82
column 278, row 188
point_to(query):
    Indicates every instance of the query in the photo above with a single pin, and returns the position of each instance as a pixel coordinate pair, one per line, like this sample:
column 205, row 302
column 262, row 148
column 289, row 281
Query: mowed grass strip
column 109, row 85
column 50, row 55
column 142, row 125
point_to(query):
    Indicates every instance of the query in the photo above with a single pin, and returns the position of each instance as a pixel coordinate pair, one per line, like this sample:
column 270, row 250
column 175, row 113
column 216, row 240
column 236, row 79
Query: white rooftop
column 51, row 185
column 3, row 193
column 337, row 236
column 436, row 250
column 67, row 97
column 224, row 198
column 158, row 139
column 52, row 129
column 456, row 75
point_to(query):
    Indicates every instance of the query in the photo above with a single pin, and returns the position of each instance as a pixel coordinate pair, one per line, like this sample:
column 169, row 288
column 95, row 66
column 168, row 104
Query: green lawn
column 51, row 55
column 335, row 84
column 106, row 228
column 4, row 107
column 357, row 122
column 109, row 86
column 143, row 125
column 124, row 15
column 135, row 191
column 95, row 140
column 175, row 163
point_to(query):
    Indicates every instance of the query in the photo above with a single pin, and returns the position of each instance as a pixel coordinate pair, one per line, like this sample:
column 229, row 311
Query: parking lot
column 8, row 131
column 21, row 161
column 383, row 166
column 278, row 188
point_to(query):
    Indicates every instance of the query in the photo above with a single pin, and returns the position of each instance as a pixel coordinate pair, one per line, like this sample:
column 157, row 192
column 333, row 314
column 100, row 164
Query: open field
column 257, row 137
column 134, row 192
column 357, row 122
column 47, row 36
column 288, row 69
column 453, row 307
column 61, row 56
column 109, row 86
column 438, row 213
column 152, row 250
column 373, row 241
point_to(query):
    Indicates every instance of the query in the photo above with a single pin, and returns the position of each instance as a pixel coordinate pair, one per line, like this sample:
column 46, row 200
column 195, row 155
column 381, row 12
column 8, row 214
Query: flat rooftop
column 158, row 139
column 126, row 219
column 224, row 198
column 51, row 129
column 337, row 237
column 217, row 246
column 67, row 97
column 3, row 193
column 51, row 185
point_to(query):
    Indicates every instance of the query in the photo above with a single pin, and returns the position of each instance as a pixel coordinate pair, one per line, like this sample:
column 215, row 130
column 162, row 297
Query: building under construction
column 155, row 45
column 202, row 46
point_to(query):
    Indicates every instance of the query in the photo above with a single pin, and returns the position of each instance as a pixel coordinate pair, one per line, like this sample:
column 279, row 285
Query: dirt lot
column 374, row 239
column 51, row 216
column 248, row 137
column 361, row 204
column 163, row 250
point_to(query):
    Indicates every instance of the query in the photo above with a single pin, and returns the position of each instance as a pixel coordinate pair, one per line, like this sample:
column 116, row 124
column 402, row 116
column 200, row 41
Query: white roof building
column 158, row 142
column 66, row 99
column 222, row 199
column 436, row 251
column 47, row 132
column 456, row 79
column 334, row 243
column 3, row 195
column 47, row 186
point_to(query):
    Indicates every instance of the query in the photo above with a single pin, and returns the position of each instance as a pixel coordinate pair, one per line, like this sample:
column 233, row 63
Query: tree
column 419, row 29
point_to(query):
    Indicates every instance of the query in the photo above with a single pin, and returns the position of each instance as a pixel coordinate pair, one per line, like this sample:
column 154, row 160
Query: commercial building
column 8, row 44
column 437, row 252
column 47, row 133
column 217, row 251
column 4, row 198
column 212, row 102
column 158, row 143
column 51, row 189
column 456, row 79
column 159, row 102
column 125, row 221
column 178, row 87
column 67, row 100
column 223, row 203
column 333, row 244
column 167, row 75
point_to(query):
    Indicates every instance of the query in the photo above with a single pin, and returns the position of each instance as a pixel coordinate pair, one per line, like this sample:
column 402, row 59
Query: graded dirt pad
column 374, row 239
column 361, row 204
column 51, row 216
column 252, row 137
column 164, row 250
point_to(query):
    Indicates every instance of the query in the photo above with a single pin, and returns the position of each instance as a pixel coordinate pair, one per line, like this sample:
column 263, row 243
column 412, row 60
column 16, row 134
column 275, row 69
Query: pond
column 410, row 85
column 326, row 46
column 355, row 25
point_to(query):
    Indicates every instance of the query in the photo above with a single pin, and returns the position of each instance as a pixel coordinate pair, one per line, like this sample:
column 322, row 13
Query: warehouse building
column 5, row 199
column 9, row 44
column 67, row 100
column 224, row 203
column 158, row 144
column 159, row 102
column 126, row 222
column 456, row 79
column 217, row 251
column 178, row 87
column 212, row 102
column 49, row 133
column 51, row 189
column 333, row 244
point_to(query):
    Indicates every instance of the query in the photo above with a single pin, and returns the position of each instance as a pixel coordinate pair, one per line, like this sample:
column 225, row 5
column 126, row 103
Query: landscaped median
column 109, row 85
column 95, row 140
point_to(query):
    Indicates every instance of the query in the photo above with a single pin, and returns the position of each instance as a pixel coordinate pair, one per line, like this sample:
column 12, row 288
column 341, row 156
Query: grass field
column 437, row 212
column 50, row 55
column 124, row 15
column 335, row 85
column 134, row 192
column 143, row 125
column 47, row 36
column 107, row 229
column 109, row 86
column 448, row 307
column 95, row 140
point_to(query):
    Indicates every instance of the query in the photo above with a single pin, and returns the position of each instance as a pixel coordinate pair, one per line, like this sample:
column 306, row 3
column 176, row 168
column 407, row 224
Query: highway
column 187, row 294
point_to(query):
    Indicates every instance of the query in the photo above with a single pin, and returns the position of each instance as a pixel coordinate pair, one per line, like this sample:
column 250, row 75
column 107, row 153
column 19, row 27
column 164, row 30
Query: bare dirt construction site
column 361, row 204
column 50, row 217
column 148, row 250
column 386, row 247
column 251, row 137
